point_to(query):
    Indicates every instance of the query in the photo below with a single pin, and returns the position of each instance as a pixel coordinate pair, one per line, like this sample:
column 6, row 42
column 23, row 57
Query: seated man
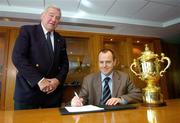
column 107, row 87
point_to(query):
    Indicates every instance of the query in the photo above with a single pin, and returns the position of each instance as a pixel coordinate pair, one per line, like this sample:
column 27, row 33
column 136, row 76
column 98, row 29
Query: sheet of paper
column 86, row 108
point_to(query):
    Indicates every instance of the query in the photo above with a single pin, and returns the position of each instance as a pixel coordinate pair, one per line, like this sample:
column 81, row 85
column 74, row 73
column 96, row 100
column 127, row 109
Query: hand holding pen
column 76, row 101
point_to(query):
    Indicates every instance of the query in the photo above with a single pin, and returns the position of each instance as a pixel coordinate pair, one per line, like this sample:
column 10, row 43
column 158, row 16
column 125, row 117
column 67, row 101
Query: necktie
column 49, row 43
column 106, row 91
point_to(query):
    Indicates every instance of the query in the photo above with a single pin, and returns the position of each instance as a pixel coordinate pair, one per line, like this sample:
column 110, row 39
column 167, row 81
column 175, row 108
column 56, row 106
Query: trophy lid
column 147, row 54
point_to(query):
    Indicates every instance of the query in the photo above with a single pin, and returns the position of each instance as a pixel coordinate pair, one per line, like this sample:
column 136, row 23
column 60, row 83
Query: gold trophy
column 149, row 69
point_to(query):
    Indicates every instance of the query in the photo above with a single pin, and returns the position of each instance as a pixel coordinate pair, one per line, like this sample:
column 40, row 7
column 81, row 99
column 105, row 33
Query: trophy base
column 152, row 97
column 154, row 105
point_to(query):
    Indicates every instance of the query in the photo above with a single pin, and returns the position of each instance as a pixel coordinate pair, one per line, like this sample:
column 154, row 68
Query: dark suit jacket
column 121, row 87
column 33, row 61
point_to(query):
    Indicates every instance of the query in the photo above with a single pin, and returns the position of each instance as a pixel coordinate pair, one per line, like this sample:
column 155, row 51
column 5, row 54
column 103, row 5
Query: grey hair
column 54, row 7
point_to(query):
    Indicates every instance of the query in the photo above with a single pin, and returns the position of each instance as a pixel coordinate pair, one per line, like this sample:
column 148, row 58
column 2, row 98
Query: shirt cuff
column 40, row 80
column 123, row 101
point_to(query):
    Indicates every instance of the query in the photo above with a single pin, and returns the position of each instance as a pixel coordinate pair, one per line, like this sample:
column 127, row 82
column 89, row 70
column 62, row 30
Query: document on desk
column 86, row 108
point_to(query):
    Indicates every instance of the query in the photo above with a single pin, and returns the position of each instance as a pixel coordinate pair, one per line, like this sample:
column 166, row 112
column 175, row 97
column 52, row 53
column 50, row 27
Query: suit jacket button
column 37, row 65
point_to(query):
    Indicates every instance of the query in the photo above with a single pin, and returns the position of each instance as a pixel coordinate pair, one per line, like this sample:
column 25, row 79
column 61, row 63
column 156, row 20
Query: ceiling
column 155, row 18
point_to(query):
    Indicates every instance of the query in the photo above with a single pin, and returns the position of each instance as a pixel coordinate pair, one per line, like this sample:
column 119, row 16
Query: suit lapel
column 43, row 43
column 99, row 88
column 56, row 44
column 116, row 84
column 41, row 37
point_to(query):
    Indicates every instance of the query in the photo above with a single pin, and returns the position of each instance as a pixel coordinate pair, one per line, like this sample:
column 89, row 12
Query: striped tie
column 106, row 91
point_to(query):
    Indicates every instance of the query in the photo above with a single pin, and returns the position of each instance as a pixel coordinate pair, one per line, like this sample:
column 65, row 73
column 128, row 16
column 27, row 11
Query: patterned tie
column 50, row 44
column 106, row 91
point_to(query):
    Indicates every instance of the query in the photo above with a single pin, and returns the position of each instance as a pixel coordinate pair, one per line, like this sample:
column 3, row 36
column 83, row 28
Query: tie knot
column 48, row 33
column 107, row 79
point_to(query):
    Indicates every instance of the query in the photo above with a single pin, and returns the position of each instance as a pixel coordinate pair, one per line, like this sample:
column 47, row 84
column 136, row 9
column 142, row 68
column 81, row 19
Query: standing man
column 41, row 60
column 107, row 87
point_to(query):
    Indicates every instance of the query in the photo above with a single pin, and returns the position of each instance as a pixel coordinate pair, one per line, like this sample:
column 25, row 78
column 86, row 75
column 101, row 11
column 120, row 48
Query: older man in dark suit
column 107, row 87
column 41, row 60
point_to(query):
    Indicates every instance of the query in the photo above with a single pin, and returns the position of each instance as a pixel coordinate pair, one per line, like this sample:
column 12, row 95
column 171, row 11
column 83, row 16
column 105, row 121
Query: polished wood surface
column 166, row 114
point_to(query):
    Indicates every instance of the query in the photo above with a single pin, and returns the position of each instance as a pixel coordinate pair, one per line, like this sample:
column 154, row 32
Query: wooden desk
column 167, row 114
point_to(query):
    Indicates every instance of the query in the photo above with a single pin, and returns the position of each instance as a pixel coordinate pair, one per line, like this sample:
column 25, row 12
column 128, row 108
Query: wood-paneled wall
column 173, row 73
column 4, row 38
column 123, row 45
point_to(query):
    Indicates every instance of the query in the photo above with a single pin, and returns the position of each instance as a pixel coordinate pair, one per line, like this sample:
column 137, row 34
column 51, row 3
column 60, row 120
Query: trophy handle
column 135, row 65
column 168, row 63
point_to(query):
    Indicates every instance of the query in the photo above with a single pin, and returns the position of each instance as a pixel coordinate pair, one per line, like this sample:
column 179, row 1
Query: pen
column 77, row 97
column 76, row 94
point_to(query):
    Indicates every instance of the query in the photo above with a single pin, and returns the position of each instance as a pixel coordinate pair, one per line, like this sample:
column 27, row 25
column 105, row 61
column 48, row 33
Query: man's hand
column 48, row 85
column 54, row 84
column 44, row 85
column 113, row 101
column 76, row 102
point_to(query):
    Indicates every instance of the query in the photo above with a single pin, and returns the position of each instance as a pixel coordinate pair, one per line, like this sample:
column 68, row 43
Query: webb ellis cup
column 149, row 68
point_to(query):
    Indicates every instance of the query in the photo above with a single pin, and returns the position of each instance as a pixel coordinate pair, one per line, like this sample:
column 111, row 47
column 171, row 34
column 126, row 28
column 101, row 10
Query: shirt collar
column 44, row 30
column 104, row 76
